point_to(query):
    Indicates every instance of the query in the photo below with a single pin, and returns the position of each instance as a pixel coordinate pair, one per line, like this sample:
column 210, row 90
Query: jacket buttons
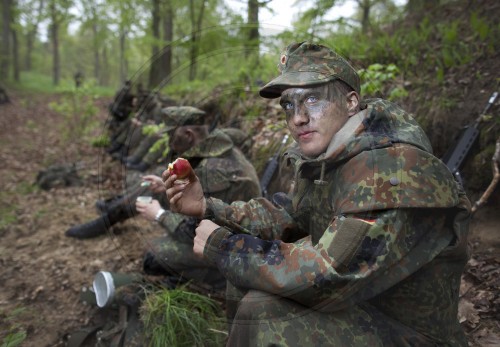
column 394, row 181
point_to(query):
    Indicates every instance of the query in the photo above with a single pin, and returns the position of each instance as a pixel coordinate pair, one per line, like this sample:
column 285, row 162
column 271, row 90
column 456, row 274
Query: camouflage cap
column 176, row 116
column 306, row 64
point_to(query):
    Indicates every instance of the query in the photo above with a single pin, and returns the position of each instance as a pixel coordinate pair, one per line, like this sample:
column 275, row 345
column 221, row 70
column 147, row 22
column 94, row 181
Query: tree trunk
column 252, row 43
column 95, row 34
column 54, row 34
column 15, row 56
column 365, row 16
column 155, row 68
column 105, row 64
column 253, row 22
column 123, row 62
column 195, row 32
column 31, row 36
column 6, row 31
column 168, row 36
column 29, row 49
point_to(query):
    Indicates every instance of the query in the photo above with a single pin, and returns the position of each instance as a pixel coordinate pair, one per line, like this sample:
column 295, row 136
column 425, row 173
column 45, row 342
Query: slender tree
column 92, row 12
column 59, row 14
column 32, row 13
column 155, row 67
column 6, row 39
column 127, row 11
column 15, row 44
column 168, row 37
column 196, row 23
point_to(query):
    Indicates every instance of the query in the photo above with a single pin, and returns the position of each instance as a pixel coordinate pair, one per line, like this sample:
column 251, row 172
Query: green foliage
column 77, row 109
column 101, row 141
column 7, row 216
column 377, row 78
column 162, row 143
column 42, row 83
column 12, row 333
column 151, row 129
column 181, row 318
column 25, row 188
column 479, row 26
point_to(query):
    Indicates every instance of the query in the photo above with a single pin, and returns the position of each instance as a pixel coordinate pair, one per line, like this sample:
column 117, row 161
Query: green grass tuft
column 182, row 318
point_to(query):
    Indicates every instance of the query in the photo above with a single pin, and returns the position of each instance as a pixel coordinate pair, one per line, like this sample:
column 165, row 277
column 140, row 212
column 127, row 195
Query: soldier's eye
column 312, row 99
column 287, row 106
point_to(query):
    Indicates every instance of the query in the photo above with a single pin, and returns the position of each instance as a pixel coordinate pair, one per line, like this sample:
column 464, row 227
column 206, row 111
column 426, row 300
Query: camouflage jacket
column 224, row 172
column 375, row 220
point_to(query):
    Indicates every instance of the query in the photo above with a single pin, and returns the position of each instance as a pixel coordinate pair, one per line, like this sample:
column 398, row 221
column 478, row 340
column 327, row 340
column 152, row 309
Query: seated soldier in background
column 225, row 171
column 121, row 107
column 131, row 131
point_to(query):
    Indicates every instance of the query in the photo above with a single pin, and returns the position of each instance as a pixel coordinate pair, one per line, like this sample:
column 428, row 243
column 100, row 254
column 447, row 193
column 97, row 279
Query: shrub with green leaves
column 180, row 318
column 78, row 111
column 381, row 81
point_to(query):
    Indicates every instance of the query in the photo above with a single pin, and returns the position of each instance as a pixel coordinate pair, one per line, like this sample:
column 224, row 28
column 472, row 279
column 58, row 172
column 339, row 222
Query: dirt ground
column 42, row 271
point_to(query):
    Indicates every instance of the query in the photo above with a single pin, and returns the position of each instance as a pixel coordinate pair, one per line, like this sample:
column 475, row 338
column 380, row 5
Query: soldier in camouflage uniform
column 367, row 250
column 130, row 133
column 228, row 174
column 224, row 172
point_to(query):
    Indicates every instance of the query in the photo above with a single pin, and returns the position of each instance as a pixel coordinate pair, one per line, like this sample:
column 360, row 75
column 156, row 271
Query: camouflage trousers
column 172, row 256
column 263, row 319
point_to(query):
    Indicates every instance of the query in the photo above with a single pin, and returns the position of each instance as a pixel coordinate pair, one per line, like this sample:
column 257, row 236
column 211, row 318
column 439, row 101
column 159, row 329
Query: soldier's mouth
column 305, row 135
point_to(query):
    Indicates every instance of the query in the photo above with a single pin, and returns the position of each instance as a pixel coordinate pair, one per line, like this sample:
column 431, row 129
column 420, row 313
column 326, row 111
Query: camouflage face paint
column 313, row 116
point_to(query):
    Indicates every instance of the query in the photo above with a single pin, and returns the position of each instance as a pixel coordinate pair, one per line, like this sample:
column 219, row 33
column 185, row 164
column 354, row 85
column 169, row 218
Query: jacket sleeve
column 257, row 217
column 357, row 257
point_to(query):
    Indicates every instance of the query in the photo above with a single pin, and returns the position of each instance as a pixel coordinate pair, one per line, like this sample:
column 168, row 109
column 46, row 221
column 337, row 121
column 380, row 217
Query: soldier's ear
column 190, row 136
column 352, row 100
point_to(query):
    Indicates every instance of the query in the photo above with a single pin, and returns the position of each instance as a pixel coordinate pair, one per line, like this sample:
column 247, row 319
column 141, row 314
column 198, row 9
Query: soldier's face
column 313, row 116
column 180, row 140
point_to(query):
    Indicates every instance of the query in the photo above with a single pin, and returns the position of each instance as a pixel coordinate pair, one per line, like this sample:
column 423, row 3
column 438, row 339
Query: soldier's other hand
column 185, row 197
column 148, row 210
column 155, row 183
column 203, row 231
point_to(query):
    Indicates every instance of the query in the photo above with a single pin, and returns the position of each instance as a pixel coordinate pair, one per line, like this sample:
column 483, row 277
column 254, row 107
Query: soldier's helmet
column 305, row 64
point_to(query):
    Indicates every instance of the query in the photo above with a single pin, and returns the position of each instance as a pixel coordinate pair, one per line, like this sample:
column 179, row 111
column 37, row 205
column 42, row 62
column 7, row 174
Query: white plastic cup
column 145, row 199
column 104, row 288
column 105, row 284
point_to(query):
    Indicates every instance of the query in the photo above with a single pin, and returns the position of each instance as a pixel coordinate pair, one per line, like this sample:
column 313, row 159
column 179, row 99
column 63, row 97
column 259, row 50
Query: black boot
column 99, row 226
column 91, row 229
column 104, row 206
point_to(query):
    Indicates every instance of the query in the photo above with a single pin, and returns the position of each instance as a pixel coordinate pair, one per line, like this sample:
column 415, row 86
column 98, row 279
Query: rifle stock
column 456, row 158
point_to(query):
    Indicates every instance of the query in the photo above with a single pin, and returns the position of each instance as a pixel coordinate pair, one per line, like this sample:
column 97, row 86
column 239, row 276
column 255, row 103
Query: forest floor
column 42, row 271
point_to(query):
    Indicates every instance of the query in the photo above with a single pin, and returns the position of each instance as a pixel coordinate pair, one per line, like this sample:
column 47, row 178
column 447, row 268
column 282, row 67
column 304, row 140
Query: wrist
column 159, row 214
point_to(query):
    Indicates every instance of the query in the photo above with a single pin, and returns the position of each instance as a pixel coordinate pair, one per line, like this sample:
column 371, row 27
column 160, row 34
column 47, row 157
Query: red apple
column 180, row 167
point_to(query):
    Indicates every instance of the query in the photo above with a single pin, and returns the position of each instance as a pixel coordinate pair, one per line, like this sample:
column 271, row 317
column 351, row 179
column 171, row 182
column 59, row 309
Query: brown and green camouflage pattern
column 176, row 116
column 226, row 174
column 386, row 230
column 307, row 64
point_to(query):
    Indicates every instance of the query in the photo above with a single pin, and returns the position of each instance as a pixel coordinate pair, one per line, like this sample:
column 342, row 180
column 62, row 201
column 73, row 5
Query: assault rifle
column 456, row 158
column 271, row 167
